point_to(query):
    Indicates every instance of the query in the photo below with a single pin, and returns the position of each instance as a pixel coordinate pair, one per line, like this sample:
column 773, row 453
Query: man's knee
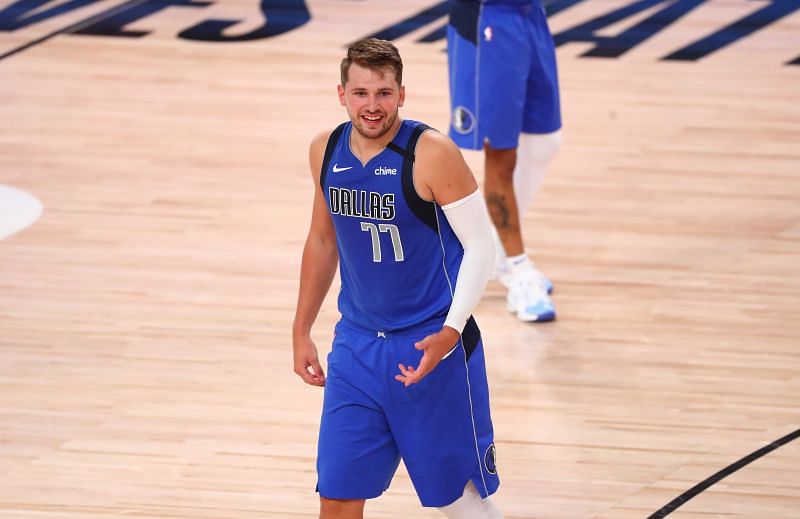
column 341, row 508
column 539, row 148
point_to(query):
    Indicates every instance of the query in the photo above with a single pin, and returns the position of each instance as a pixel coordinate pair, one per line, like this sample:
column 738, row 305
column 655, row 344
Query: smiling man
column 398, row 209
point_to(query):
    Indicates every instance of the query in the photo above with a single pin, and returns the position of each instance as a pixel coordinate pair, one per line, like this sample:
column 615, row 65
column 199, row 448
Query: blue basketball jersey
column 398, row 256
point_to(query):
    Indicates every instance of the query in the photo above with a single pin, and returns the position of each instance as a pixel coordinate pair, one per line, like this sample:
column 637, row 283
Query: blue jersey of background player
column 505, row 100
column 399, row 209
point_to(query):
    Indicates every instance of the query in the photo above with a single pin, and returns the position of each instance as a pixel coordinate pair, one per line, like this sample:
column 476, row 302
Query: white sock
column 534, row 155
column 519, row 264
column 471, row 506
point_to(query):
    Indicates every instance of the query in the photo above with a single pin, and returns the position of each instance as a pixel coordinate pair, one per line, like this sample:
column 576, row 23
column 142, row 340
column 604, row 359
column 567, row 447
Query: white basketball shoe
column 528, row 288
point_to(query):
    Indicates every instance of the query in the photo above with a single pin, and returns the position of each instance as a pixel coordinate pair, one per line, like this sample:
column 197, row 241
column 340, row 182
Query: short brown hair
column 373, row 54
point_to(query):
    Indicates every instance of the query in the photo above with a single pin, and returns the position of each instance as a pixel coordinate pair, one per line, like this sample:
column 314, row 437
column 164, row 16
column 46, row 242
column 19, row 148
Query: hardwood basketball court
column 145, row 353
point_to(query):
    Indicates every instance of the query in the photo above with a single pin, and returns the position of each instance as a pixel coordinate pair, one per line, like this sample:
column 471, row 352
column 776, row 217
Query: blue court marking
column 74, row 27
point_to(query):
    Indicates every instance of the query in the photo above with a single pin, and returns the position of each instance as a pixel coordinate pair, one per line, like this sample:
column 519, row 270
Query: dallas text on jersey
column 362, row 204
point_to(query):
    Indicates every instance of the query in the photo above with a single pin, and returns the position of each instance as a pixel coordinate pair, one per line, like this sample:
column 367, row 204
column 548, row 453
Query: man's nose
column 373, row 103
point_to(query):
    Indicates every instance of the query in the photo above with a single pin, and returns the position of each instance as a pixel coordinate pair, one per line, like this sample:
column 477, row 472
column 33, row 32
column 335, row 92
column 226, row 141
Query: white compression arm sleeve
column 469, row 219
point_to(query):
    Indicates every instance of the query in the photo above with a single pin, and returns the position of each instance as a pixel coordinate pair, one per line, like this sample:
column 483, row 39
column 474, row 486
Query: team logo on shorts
column 490, row 459
column 463, row 120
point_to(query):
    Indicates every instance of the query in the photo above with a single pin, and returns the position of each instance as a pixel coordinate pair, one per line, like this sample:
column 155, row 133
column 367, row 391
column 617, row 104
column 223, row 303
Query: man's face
column 372, row 99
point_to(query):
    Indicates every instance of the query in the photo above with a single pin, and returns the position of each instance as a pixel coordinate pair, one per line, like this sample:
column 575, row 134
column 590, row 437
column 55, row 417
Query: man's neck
column 364, row 149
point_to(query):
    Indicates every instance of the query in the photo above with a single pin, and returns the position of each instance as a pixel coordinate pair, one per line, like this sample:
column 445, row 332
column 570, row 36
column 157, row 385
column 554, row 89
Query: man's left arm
column 442, row 175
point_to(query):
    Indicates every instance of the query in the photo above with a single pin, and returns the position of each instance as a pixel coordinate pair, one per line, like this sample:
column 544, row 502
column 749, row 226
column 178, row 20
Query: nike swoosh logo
column 337, row 169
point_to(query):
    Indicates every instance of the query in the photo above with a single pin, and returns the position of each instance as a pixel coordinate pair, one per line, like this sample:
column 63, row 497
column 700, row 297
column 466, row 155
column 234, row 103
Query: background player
column 505, row 100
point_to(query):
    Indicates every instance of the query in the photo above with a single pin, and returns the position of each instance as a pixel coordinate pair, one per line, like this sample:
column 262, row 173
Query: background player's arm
column 440, row 174
column 318, row 267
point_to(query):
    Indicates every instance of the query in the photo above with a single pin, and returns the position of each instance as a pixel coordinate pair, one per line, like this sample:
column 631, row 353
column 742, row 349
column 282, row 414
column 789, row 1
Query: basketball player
column 504, row 99
column 399, row 209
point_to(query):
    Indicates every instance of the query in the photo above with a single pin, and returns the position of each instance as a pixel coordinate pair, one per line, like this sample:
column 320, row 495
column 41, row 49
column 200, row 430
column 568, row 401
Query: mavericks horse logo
column 490, row 459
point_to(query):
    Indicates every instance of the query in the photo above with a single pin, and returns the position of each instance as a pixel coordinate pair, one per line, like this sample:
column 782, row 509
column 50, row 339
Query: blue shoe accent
column 548, row 285
column 539, row 312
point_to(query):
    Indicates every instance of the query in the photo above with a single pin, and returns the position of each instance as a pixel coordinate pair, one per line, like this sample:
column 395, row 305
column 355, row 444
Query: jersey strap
column 332, row 140
column 422, row 209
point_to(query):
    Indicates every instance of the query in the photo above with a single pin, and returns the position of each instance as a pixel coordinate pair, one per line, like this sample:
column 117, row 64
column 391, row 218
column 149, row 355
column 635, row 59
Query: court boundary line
column 727, row 471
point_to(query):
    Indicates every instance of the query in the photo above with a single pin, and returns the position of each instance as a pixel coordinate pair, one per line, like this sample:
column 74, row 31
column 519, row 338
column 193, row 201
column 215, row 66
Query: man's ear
column 340, row 90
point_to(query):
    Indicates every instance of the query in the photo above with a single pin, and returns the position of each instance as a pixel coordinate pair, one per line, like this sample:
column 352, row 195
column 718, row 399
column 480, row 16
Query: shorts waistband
column 411, row 331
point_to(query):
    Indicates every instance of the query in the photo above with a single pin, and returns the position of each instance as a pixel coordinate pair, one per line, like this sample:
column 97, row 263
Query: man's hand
column 305, row 356
column 435, row 347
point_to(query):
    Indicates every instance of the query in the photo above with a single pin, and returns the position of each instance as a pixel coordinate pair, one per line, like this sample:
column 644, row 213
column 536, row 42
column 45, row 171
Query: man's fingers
column 407, row 380
column 411, row 375
column 408, row 374
column 407, row 371
column 430, row 346
column 308, row 377
column 317, row 369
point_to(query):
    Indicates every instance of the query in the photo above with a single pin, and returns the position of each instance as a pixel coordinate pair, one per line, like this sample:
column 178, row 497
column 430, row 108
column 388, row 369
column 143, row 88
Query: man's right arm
column 318, row 267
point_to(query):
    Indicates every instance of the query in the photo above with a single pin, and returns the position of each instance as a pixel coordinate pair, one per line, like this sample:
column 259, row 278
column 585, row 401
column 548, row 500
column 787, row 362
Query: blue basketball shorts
column 440, row 427
column 503, row 76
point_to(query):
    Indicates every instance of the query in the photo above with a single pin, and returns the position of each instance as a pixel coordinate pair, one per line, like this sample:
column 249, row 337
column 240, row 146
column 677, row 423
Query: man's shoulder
column 320, row 140
column 435, row 143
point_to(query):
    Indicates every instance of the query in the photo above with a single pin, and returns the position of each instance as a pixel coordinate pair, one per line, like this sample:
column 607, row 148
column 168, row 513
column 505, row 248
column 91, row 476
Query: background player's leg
column 527, row 289
column 471, row 506
column 540, row 138
column 341, row 508
column 500, row 197
column 534, row 155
